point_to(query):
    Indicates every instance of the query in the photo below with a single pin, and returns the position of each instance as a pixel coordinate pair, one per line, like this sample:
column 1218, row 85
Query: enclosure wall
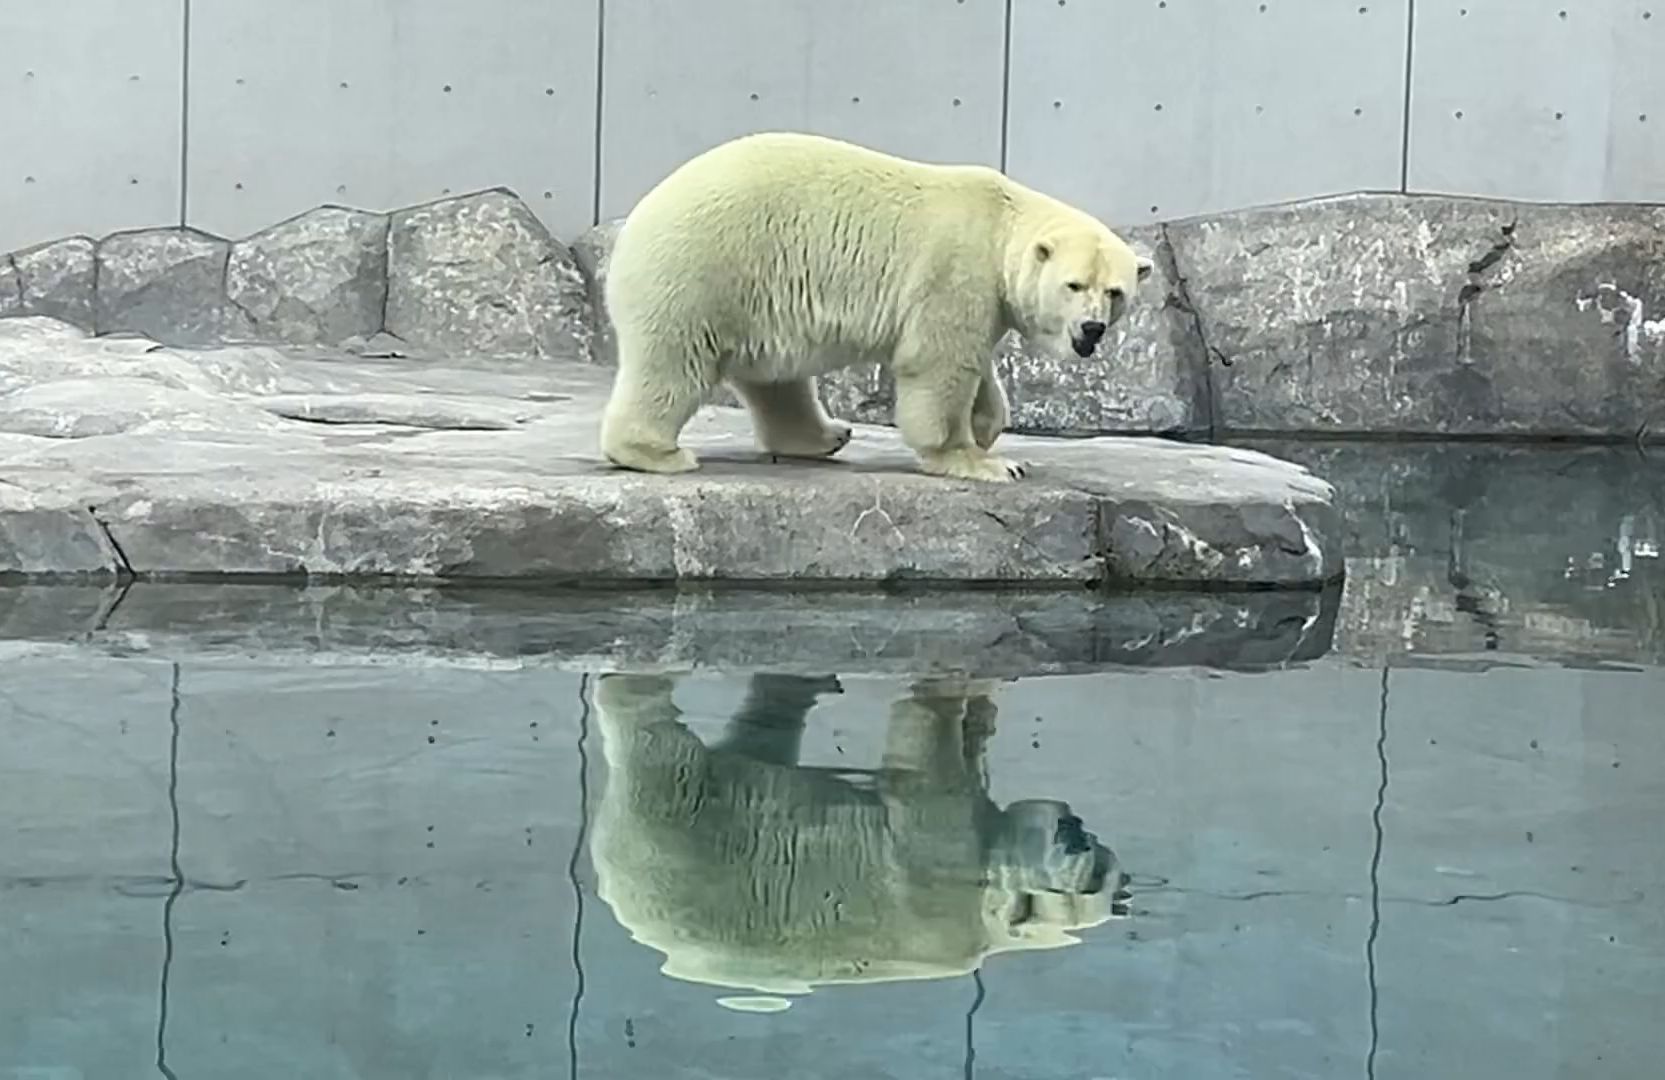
column 229, row 115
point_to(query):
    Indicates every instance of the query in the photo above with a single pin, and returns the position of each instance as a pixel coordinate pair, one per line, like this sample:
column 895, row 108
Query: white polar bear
column 749, row 870
column 776, row 257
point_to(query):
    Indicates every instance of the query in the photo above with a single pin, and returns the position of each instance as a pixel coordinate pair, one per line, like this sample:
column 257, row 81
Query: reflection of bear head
column 749, row 870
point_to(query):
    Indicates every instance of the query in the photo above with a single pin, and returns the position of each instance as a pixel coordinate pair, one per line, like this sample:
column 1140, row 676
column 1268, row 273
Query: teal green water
column 360, row 870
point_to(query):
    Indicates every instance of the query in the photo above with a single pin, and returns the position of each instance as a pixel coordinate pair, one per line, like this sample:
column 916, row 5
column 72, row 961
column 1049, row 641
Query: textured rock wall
column 1384, row 314
column 476, row 274
column 1363, row 314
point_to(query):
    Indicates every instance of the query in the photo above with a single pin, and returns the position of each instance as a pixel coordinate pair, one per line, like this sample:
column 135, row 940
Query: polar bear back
column 795, row 249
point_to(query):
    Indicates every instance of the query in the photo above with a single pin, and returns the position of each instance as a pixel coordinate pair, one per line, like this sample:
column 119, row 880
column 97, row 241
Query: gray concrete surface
column 126, row 457
column 342, row 870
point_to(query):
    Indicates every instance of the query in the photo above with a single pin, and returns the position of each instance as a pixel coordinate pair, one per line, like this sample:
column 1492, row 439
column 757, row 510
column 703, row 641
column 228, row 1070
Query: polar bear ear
column 1145, row 267
column 1043, row 251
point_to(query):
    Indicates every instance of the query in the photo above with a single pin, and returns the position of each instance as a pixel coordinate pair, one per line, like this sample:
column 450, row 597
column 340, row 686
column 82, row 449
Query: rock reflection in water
column 750, row 871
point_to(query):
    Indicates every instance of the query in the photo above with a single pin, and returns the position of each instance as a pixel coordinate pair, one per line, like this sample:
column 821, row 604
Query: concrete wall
column 229, row 115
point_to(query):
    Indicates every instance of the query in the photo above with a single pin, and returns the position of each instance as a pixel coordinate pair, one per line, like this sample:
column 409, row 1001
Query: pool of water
column 376, row 871
column 1406, row 830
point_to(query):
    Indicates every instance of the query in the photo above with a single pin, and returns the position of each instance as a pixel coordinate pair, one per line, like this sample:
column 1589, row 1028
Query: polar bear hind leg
column 655, row 394
column 990, row 411
column 789, row 419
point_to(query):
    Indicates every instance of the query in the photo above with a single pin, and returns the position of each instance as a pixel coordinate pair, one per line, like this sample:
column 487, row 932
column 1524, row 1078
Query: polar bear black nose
column 1092, row 330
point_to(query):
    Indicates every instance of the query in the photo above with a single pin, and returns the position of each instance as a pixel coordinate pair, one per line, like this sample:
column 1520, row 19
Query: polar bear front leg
column 934, row 398
column 789, row 419
column 990, row 410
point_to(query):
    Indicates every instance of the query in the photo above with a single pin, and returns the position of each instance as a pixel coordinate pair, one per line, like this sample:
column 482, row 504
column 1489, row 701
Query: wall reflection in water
column 751, row 871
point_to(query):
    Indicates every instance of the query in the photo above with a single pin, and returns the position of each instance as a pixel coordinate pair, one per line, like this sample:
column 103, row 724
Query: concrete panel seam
column 176, row 874
column 600, row 91
column 580, row 983
column 1405, row 116
column 1006, row 85
column 1378, row 838
column 184, row 113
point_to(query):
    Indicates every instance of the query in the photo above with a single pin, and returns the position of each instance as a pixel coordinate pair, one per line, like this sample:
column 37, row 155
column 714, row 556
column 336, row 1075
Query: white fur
column 777, row 257
column 749, row 870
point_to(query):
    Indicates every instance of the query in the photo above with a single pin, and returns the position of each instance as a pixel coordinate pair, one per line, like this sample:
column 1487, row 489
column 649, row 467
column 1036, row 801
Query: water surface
column 1405, row 830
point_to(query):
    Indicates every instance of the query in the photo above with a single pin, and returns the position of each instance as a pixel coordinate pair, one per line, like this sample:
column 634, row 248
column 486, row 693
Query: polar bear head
column 1047, row 877
column 1074, row 281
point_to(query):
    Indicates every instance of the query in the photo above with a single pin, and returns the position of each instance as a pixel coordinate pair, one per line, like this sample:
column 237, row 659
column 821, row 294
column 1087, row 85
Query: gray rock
column 437, row 411
column 11, row 289
column 863, row 395
column 1373, row 313
column 1382, row 313
column 61, row 540
column 105, row 405
column 533, row 500
column 167, row 284
column 53, row 279
column 480, row 274
column 592, row 251
column 1148, row 377
column 989, row 633
column 37, row 352
column 319, row 277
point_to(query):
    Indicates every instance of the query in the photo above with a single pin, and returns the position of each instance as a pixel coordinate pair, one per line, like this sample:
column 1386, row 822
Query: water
column 1410, row 830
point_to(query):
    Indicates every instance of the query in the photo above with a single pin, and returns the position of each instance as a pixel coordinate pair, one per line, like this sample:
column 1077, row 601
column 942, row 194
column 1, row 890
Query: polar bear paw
column 972, row 464
column 638, row 459
column 832, row 437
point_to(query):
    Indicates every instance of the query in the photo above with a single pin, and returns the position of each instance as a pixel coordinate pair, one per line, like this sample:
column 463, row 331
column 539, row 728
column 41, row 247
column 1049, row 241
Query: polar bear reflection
column 748, row 870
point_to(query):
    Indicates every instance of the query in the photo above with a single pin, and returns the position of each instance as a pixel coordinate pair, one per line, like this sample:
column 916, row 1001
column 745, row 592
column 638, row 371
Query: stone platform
column 122, row 457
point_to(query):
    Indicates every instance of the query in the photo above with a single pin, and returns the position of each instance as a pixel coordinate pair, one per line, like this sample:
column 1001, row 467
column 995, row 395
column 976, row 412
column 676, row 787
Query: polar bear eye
column 1116, row 292
column 1074, row 286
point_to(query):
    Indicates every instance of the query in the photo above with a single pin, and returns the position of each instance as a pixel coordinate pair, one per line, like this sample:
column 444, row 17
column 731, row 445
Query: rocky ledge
column 1379, row 314
column 124, row 457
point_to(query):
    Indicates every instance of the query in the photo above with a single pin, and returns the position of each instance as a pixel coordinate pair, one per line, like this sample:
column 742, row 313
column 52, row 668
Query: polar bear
column 748, row 870
column 780, row 256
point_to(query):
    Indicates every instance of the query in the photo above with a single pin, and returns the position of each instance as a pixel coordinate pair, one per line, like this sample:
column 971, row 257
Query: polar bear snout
column 1087, row 336
column 1070, row 836
column 1047, row 848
